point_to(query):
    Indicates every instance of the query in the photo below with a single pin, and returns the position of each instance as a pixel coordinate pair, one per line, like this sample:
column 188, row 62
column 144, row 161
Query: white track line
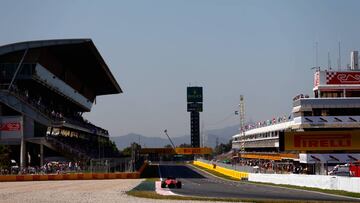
column 161, row 179
column 162, row 191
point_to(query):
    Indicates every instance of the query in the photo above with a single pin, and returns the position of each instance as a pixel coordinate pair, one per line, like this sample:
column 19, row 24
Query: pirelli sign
column 157, row 151
column 202, row 150
column 322, row 140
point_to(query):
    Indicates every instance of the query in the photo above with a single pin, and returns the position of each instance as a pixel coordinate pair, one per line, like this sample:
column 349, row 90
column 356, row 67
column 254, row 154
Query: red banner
column 317, row 79
column 11, row 126
column 322, row 140
column 342, row 78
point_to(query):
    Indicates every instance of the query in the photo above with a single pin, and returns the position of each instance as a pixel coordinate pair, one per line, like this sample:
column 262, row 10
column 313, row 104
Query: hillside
column 223, row 135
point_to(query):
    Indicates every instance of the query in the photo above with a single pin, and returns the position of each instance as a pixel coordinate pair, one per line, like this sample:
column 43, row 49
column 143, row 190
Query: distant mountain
column 223, row 135
column 126, row 140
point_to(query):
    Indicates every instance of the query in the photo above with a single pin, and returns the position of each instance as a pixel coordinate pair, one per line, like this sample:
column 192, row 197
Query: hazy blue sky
column 261, row 49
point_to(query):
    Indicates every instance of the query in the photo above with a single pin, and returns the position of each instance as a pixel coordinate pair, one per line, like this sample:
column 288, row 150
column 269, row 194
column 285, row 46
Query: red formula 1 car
column 170, row 182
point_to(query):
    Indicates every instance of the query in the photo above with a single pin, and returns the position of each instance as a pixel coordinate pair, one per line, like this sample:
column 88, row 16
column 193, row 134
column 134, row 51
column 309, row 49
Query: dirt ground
column 72, row 191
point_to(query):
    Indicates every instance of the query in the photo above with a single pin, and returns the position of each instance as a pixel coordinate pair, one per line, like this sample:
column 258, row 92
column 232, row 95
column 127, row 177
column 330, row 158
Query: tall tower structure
column 195, row 106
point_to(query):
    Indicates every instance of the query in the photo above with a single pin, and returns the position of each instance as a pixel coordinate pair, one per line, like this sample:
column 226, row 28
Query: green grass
column 334, row 192
column 154, row 195
column 152, row 179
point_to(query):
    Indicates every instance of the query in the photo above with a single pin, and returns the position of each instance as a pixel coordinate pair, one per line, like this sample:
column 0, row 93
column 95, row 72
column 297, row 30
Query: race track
column 199, row 183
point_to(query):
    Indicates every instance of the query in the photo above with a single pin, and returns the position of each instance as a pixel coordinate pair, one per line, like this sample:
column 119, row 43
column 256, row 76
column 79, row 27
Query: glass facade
column 7, row 71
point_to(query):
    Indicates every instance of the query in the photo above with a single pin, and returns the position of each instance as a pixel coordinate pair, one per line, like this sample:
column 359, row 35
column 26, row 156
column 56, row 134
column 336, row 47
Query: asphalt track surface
column 198, row 183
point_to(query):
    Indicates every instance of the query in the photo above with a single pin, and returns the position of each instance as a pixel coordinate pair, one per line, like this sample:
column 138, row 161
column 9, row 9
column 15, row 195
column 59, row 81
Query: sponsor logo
column 342, row 78
column 323, row 141
column 193, row 150
column 11, row 126
column 157, row 151
column 348, row 78
column 316, row 79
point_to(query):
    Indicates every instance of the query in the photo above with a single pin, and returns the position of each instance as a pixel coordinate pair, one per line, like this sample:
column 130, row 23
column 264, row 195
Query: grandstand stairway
column 20, row 105
column 31, row 110
column 57, row 145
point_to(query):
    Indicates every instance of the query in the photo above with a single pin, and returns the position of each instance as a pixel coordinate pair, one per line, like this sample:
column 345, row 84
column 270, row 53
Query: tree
column 113, row 146
column 184, row 145
column 127, row 151
column 168, row 146
column 4, row 156
column 223, row 148
column 112, row 149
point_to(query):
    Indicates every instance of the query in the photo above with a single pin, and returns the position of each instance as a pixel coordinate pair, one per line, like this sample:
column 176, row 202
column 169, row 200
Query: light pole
column 242, row 124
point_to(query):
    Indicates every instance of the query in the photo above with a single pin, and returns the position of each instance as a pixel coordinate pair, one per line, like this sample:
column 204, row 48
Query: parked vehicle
column 340, row 170
column 354, row 169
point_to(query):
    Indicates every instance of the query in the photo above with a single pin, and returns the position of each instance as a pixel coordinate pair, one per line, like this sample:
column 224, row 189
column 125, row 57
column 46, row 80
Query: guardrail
column 350, row 184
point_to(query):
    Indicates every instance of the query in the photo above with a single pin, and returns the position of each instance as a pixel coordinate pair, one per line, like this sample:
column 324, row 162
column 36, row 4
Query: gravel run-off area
column 73, row 191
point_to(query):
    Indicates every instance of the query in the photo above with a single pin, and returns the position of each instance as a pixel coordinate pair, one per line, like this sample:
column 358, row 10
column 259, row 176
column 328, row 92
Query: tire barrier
column 74, row 176
column 228, row 172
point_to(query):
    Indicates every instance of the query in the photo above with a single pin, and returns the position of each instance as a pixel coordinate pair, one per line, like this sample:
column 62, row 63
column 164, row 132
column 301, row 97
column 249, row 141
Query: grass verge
column 333, row 192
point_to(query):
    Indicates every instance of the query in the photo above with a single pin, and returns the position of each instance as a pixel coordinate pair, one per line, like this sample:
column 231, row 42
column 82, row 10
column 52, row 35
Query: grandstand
column 322, row 131
column 45, row 87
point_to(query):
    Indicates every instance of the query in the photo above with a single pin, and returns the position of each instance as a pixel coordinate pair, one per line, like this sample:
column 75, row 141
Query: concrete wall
column 247, row 169
column 350, row 184
column 228, row 172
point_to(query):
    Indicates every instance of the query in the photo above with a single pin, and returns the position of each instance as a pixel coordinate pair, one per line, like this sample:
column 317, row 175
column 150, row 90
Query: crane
column 165, row 131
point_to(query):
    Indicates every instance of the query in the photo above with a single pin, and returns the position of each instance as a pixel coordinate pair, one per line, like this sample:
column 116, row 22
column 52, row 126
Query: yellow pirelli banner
column 322, row 140
column 157, row 151
column 202, row 150
column 225, row 171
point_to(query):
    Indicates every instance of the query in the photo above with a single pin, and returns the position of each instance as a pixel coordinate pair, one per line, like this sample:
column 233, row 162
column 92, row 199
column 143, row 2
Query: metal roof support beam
column 18, row 68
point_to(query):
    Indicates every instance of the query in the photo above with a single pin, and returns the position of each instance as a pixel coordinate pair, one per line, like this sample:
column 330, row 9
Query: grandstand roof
column 269, row 128
column 79, row 55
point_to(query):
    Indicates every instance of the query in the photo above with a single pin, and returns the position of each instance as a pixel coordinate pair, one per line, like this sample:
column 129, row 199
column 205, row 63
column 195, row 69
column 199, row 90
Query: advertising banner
column 202, row 150
column 316, row 78
column 335, row 78
column 11, row 127
column 194, row 94
column 198, row 107
column 157, row 151
column 322, row 140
